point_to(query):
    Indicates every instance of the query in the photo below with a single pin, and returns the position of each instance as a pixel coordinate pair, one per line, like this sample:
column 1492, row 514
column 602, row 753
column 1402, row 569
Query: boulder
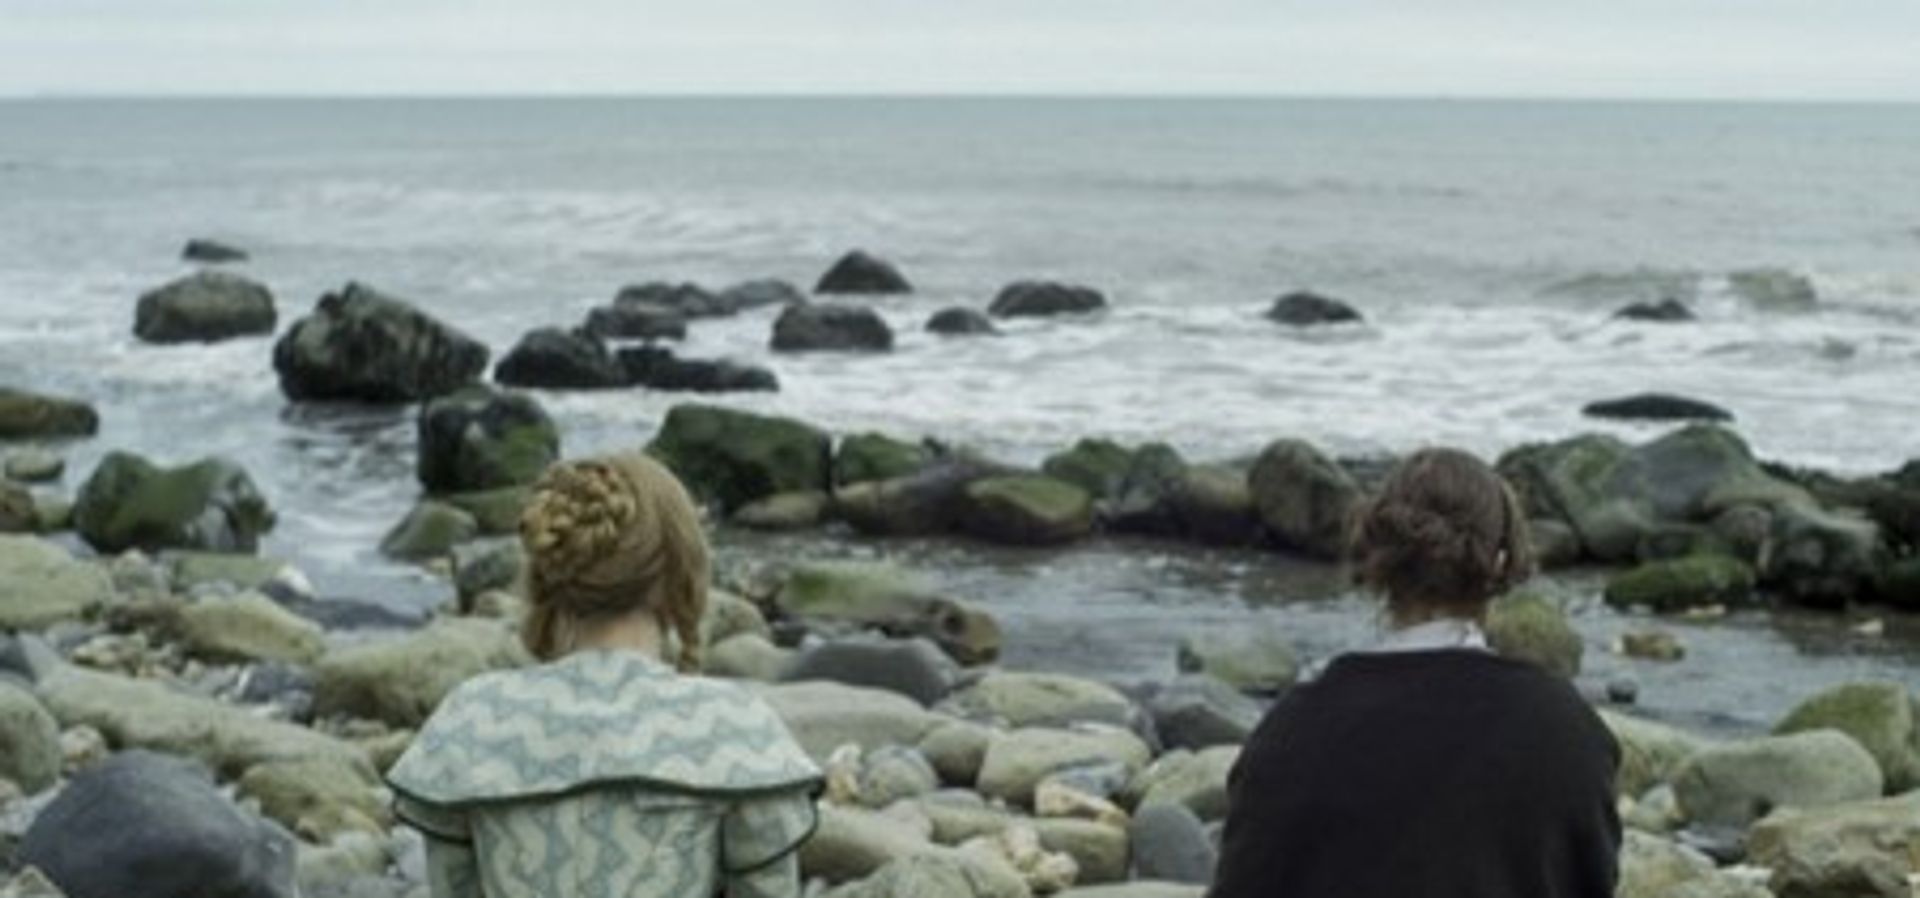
column 1041, row 299
column 1027, row 510
column 1774, row 289
column 1196, row 781
column 1819, row 557
column 686, row 299
column 1860, row 848
column 482, row 439
column 1197, row 711
column 1666, row 311
column 830, row 327
column 784, row 511
column 1304, row 308
column 732, row 457
column 205, row 307
column 1682, row 583
column 28, row 416
column 915, row 668
column 959, row 321
column 1018, row 761
column 1019, row 699
column 554, row 359
column 1879, row 716
column 1101, row 850
column 1656, row 407
column 1252, row 658
column 1306, row 500
column 497, row 512
column 824, row 716
column 865, row 457
column 639, row 320
column 430, row 531
column 886, row 599
column 923, row 504
column 210, row 505
column 1531, row 628
column 859, row 272
column 200, row 249
column 30, row 754
column 1650, row 753
column 760, row 293
column 399, row 681
column 658, row 369
column 1099, row 466
column 247, row 628
column 318, row 799
column 363, row 345
column 1736, row 783
column 173, row 835
column 1170, row 843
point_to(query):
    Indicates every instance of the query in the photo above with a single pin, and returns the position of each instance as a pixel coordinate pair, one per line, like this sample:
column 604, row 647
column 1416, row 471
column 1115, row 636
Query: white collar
column 1440, row 633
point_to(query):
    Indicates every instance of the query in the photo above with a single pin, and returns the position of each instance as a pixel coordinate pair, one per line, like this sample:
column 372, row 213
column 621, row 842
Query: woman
column 1428, row 767
column 603, row 771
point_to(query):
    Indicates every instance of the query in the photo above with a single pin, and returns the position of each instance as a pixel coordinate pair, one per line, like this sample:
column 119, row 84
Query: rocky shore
column 160, row 679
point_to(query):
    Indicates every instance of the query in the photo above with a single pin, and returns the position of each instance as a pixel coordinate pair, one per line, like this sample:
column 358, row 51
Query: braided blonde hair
column 606, row 536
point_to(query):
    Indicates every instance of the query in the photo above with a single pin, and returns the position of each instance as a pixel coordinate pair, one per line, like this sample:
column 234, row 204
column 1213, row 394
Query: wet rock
column 1683, row 583
column 173, row 836
column 1044, row 299
column 360, row 344
column 1101, row 850
column 1818, row 557
column 1861, row 848
column 929, row 876
column 41, row 585
column 245, row 628
column 1170, row 843
column 400, row 681
column 211, row 505
column 1531, row 628
column 431, row 530
column 1898, row 584
column 957, row 749
column 687, row 299
column 959, row 321
column 205, row 307
column 886, row 599
column 637, row 320
column 1197, row 711
column 1252, row 659
column 1027, row 510
column 1020, row 699
column 1196, row 781
column 1305, row 499
column 760, row 293
column 26, row 416
column 30, row 753
column 659, row 369
column 318, row 799
column 1774, row 289
column 830, row 327
column 554, row 359
column 1666, row 311
column 1657, row 407
column 732, row 457
column 865, row 457
column 200, row 249
column 824, row 716
column 1017, row 762
column 1307, row 309
column 860, row 272
column 1737, row 783
column 496, row 511
column 286, row 685
column 915, row 668
column 1879, row 716
column 1651, row 645
column 482, row 439
column 1099, row 466
column 30, row 883
column 1623, row 691
column 488, row 566
column 35, row 466
column 929, row 502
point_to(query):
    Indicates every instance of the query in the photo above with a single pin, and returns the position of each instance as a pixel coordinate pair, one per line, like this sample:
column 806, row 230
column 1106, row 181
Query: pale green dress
column 607, row 774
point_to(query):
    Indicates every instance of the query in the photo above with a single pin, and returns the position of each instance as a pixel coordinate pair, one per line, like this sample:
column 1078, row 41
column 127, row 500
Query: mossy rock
column 1098, row 466
column 480, row 439
column 41, row 585
column 1682, row 583
column 25, row 415
column 1531, row 628
column 496, row 511
column 886, row 598
column 130, row 503
column 872, row 456
column 1028, row 510
column 1899, row 584
column 1306, row 499
column 1879, row 716
column 732, row 458
column 431, row 530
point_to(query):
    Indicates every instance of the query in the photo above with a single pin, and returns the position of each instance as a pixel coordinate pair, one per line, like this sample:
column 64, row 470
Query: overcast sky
column 1801, row 49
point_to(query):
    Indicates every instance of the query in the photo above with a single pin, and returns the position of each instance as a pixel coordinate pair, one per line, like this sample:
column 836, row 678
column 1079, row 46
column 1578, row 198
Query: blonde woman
column 603, row 770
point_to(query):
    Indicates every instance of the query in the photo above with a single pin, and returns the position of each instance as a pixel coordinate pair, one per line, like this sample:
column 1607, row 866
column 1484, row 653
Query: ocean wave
column 1273, row 188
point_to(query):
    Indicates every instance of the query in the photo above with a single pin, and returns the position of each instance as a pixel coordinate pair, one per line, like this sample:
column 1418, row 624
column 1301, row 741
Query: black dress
column 1448, row 773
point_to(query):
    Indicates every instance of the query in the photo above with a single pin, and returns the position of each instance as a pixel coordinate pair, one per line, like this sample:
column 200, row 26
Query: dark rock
column 1305, row 309
column 1306, row 500
column 154, row 826
column 929, row 502
column 213, row 251
column 915, row 668
column 659, row 369
column 1623, row 691
column 429, row 532
column 362, row 345
column 872, row 456
column 18, row 512
column 826, row 326
column 1198, row 711
column 761, row 293
column 554, row 359
column 858, row 272
column 482, row 439
column 211, row 505
column 1657, row 407
column 339, row 614
column 1170, row 844
column 25, row 415
column 288, row 685
column 205, row 308
column 689, row 300
column 636, row 321
column 961, row 322
column 1666, row 311
column 1038, row 299
column 733, row 457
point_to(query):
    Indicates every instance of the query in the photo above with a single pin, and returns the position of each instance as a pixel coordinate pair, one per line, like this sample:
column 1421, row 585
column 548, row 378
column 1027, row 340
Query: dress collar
column 1440, row 633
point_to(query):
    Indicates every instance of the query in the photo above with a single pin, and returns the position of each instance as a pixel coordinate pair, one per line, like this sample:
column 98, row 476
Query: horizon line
column 1463, row 97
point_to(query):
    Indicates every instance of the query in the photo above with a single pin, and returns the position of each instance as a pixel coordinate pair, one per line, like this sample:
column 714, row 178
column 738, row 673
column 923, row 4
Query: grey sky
column 1801, row 49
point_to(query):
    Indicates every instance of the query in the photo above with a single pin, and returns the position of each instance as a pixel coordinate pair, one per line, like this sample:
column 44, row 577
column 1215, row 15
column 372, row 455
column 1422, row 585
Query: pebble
column 1623, row 691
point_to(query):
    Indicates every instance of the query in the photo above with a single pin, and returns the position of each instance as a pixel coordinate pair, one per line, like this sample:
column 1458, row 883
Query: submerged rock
column 34, row 465
column 732, row 457
column 659, row 369
column 205, row 308
column 784, row 511
column 859, row 272
column 360, row 344
column 1650, row 753
column 555, row 359
column 246, row 628
column 1305, row 499
column 200, row 249
column 1306, row 309
column 482, row 439
column 685, row 299
column 831, row 327
column 210, row 505
column 1042, row 299
column 958, row 321
column 1774, row 289
column 1657, row 407
column 760, row 293
column 18, row 511
column 25, row 416
column 1666, row 311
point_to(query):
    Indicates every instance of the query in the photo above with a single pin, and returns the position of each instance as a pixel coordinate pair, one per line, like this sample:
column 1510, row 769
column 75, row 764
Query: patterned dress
column 607, row 774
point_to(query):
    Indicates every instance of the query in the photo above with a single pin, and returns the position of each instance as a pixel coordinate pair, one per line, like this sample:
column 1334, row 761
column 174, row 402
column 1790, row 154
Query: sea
column 1488, row 244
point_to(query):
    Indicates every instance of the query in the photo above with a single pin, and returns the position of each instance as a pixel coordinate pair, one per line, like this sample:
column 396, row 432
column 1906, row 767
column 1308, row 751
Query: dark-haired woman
column 1428, row 767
